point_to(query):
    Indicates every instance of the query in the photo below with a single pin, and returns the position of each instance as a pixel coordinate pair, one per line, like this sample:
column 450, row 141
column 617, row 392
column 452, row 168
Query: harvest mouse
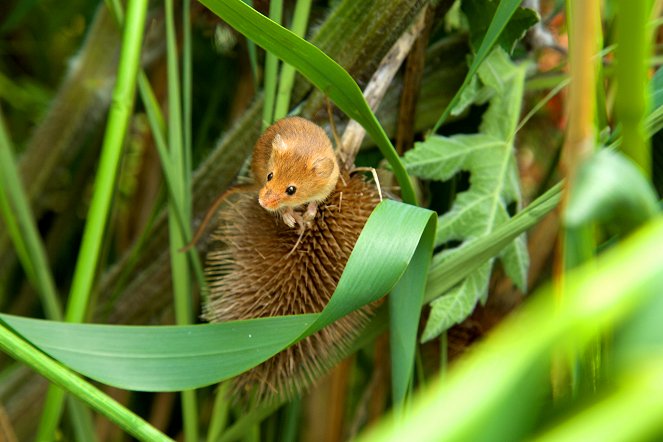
column 293, row 165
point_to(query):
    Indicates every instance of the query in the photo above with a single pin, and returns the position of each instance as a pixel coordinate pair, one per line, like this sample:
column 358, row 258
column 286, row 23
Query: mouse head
column 302, row 168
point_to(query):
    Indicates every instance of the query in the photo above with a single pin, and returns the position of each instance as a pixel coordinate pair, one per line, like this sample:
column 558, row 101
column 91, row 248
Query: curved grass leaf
column 86, row 392
column 172, row 358
column 321, row 70
column 609, row 188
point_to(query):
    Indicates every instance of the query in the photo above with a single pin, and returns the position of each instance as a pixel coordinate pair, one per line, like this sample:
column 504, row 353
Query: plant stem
column 24, row 352
column 181, row 161
column 576, row 245
column 271, row 69
column 287, row 78
column 23, row 229
column 118, row 120
column 631, row 67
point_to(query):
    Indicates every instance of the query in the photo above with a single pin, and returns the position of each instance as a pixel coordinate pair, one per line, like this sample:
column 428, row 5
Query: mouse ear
column 279, row 144
column 323, row 167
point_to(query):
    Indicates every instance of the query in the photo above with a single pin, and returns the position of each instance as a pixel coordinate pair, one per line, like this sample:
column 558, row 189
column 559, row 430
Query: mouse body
column 294, row 165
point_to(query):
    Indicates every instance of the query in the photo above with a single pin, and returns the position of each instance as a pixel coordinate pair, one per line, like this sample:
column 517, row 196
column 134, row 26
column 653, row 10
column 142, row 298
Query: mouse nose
column 268, row 200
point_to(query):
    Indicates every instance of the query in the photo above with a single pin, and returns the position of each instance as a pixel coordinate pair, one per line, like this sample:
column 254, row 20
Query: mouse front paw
column 292, row 218
column 311, row 211
column 289, row 219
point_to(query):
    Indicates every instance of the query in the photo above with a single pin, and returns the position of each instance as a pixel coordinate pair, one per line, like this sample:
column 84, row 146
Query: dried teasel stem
column 377, row 87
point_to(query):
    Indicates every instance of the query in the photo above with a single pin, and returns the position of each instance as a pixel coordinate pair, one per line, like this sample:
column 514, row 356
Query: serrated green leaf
column 172, row 358
column 479, row 14
column 494, row 185
column 446, row 310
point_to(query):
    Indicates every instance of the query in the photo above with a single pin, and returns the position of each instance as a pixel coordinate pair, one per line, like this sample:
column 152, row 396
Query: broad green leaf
column 610, row 189
column 321, row 70
column 494, row 185
column 172, row 358
column 494, row 379
column 479, row 14
column 405, row 303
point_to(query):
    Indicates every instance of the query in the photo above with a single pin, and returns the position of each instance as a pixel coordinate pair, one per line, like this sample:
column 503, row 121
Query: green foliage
column 611, row 190
column 480, row 13
column 503, row 13
column 495, row 393
column 501, row 391
column 184, row 357
column 494, row 184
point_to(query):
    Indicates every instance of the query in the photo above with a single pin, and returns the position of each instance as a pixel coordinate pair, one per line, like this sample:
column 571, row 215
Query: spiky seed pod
column 253, row 272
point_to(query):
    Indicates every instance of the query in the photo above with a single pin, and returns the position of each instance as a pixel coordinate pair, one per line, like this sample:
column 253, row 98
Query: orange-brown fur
column 306, row 160
column 303, row 157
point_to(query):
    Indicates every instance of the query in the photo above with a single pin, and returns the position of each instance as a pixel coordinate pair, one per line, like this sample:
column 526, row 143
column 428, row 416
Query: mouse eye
column 291, row 190
column 270, row 176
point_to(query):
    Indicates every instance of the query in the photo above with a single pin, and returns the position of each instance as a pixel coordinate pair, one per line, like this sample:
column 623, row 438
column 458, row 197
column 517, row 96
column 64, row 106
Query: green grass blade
column 503, row 14
column 174, row 358
column 98, row 214
column 155, row 119
column 287, row 78
column 181, row 159
column 131, row 423
column 120, row 112
column 271, row 69
column 633, row 412
column 405, row 303
column 220, row 412
column 601, row 295
column 23, row 229
column 321, row 70
column 157, row 126
column 187, row 84
column 632, row 66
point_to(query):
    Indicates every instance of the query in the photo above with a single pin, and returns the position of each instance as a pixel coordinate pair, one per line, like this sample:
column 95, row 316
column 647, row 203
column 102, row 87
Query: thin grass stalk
column 577, row 245
column 20, row 350
column 253, row 56
column 187, row 84
column 247, row 421
column 287, row 78
column 220, row 411
column 118, row 120
column 181, row 189
column 292, row 417
column 155, row 119
column 23, row 229
column 81, row 419
column 271, row 69
column 156, row 122
column 631, row 67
